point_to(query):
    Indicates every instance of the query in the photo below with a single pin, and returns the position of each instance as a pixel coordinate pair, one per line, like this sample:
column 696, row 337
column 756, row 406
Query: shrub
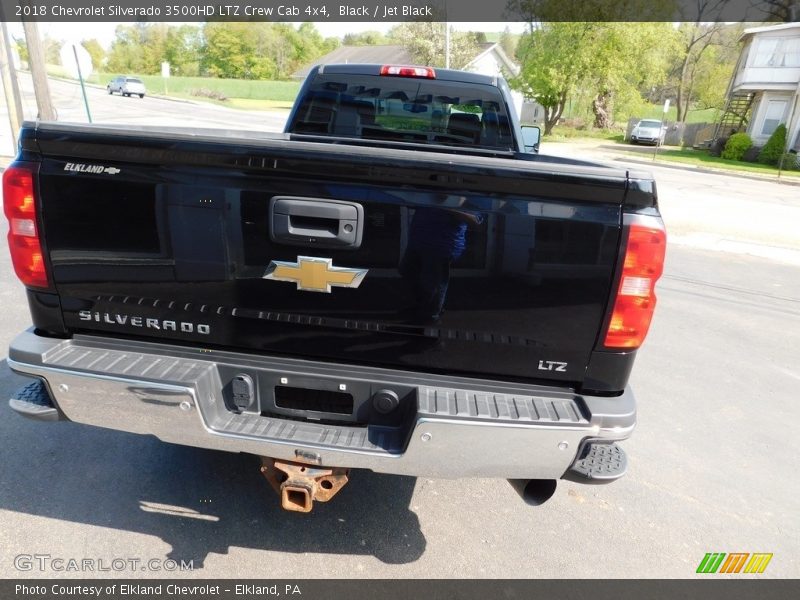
column 751, row 154
column 791, row 161
column 207, row 93
column 736, row 146
column 718, row 146
column 773, row 150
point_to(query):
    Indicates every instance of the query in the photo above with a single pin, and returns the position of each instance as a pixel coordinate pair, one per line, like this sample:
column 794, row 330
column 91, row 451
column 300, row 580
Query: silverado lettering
column 135, row 321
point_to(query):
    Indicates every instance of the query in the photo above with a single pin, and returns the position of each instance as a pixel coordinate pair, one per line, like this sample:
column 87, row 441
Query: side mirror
column 530, row 138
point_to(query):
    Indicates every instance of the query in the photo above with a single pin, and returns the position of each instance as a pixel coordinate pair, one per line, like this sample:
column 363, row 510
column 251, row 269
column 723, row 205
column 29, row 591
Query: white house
column 766, row 83
column 493, row 61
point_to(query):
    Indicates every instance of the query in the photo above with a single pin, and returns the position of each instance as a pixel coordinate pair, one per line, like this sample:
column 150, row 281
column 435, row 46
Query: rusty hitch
column 299, row 485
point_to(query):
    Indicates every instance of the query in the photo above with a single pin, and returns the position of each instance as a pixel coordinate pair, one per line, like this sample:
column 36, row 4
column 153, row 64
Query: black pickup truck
column 395, row 283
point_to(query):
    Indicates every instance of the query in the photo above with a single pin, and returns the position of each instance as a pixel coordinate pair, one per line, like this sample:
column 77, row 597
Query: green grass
column 701, row 158
column 252, row 104
column 57, row 71
column 241, row 93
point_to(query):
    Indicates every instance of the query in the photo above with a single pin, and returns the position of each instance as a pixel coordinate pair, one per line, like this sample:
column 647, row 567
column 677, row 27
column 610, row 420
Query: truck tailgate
column 454, row 264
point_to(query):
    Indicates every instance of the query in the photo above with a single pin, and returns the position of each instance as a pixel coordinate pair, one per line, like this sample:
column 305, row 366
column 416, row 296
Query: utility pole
column 10, row 85
column 447, row 45
column 38, row 72
column 790, row 129
column 83, row 87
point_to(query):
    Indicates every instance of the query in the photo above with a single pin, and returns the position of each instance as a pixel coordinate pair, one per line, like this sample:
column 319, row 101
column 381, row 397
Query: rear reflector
column 636, row 298
column 19, row 207
column 400, row 71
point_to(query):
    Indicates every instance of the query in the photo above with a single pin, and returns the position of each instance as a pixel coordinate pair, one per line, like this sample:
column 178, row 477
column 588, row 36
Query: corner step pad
column 598, row 463
column 33, row 401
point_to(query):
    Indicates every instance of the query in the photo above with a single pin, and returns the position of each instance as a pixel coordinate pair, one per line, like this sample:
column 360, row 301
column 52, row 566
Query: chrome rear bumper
column 462, row 427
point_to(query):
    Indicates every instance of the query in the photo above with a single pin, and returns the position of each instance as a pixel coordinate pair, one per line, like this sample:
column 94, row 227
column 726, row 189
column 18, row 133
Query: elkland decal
column 736, row 562
column 82, row 168
column 144, row 322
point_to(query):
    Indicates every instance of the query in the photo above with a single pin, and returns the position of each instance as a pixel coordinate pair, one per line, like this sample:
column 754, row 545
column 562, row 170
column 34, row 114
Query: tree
column 238, row 50
column 780, row 10
column 182, row 50
column 96, row 51
column 695, row 39
column 598, row 11
column 22, row 49
column 124, row 53
column 508, row 42
column 612, row 61
column 706, row 56
column 259, row 50
column 141, row 48
column 704, row 42
column 309, row 45
column 138, row 48
column 241, row 50
column 365, row 38
column 621, row 59
column 712, row 76
column 426, row 43
column 52, row 50
column 551, row 65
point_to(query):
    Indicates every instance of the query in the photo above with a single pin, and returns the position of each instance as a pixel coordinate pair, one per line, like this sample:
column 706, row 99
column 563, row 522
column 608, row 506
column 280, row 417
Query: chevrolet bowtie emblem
column 313, row 274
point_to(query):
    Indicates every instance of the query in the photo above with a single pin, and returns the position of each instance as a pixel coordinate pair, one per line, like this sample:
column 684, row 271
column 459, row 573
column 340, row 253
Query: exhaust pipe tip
column 534, row 492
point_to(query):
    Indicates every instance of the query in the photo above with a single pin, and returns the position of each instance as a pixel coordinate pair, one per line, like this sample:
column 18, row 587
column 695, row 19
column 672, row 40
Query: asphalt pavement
column 151, row 110
column 713, row 211
column 711, row 470
column 711, row 462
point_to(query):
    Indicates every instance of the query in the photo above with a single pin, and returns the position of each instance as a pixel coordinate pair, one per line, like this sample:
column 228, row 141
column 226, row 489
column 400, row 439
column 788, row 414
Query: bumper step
column 598, row 463
column 452, row 426
column 33, row 401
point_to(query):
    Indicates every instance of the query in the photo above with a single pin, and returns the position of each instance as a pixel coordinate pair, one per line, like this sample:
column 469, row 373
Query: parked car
column 127, row 86
column 646, row 131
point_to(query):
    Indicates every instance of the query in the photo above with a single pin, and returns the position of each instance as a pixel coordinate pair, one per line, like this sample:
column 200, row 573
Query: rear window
column 131, row 80
column 404, row 109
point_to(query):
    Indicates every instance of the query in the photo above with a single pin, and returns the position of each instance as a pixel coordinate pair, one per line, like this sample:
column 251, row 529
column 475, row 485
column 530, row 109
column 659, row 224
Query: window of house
column 791, row 52
column 765, row 52
column 777, row 52
column 773, row 116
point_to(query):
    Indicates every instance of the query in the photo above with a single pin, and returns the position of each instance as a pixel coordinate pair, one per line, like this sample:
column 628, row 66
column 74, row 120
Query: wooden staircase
column 736, row 115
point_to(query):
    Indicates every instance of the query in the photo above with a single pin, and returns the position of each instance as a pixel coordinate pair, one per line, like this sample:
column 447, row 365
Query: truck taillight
column 402, row 71
column 636, row 299
column 19, row 206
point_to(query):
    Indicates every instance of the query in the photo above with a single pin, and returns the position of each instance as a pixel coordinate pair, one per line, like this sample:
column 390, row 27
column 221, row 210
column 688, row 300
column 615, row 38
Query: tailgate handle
column 316, row 222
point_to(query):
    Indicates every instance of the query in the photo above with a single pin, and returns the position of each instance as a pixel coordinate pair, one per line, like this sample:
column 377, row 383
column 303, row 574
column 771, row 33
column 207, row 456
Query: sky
column 104, row 32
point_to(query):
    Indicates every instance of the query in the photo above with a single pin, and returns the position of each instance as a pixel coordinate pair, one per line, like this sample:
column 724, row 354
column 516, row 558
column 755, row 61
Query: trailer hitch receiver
column 299, row 485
